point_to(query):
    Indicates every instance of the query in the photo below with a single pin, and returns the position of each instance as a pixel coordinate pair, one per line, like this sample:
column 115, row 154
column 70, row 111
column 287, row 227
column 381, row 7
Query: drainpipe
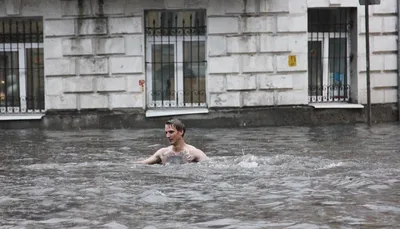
column 398, row 57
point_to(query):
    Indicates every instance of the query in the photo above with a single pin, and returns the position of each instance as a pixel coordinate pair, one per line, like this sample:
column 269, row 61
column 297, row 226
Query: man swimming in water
column 178, row 151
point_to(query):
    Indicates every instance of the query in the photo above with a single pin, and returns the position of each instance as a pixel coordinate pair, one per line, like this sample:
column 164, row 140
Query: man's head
column 174, row 130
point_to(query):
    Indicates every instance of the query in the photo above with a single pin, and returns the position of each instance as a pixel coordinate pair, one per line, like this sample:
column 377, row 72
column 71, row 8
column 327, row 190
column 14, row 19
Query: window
column 329, row 54
column 21, row 65
column 176, row 58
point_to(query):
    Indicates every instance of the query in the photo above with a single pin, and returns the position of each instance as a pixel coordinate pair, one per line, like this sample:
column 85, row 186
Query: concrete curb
column 216, row 118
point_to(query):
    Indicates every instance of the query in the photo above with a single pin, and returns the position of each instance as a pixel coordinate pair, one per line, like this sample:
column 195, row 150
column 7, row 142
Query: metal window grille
column 329, row 54
column 21, row 65
column 176, row 58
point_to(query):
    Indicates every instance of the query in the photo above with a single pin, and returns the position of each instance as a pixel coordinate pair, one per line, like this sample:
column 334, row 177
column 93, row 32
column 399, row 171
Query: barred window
column 176, row 58
column 21, row 65
column 329, row 54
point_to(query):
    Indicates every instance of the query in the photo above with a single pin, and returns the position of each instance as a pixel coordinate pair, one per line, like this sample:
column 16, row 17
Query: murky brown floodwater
column 329, row 177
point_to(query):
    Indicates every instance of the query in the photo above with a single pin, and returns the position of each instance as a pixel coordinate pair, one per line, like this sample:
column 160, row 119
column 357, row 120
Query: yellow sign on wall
column 292, row 61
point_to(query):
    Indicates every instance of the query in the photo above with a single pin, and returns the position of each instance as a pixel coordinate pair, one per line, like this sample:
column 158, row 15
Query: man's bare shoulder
column 163, row 150
column 194, row 149
column 198, row 153
column 190, row 147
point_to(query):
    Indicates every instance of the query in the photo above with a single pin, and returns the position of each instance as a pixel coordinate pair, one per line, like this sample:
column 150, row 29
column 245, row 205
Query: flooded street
column 277, row 177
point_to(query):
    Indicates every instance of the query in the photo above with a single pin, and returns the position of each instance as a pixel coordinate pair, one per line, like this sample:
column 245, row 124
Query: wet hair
column 178, row 124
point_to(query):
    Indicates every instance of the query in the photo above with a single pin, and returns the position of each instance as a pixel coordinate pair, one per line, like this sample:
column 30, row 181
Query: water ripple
column 289, row 177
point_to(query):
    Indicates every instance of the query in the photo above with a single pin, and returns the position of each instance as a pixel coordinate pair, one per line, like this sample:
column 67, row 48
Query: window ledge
column 10, row 117
column 175, row 111
column 336, row 106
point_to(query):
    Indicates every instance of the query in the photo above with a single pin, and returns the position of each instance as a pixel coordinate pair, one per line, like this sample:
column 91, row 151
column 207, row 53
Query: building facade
column 172, row 57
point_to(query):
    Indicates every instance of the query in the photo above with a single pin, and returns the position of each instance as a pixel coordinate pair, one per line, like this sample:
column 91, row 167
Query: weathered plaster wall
column 94, row 50
column 269, row 31
column 30, row 8
column 383, row 30
column 249, row 44
column 96, row 58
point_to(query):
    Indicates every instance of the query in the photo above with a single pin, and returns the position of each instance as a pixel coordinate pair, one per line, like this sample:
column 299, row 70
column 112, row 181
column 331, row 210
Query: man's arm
column 154, row 159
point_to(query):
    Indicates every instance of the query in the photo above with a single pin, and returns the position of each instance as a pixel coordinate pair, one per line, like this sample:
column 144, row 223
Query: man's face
column 172, row 134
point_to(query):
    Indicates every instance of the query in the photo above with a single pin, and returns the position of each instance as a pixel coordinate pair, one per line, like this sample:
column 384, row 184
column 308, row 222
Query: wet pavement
column 277, row 177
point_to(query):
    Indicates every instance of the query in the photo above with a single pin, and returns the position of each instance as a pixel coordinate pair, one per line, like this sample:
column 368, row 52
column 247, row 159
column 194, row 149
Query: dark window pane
column 21, row 30
column 337, row 66
column 329, row 20
column 176, row 23
column 9, row 79
column 315, row 68
column 194, row 71
column 34, row 78
column 163, row 68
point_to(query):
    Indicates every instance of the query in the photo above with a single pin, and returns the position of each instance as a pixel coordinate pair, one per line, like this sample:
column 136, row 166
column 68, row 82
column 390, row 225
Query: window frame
column 179, row 77
column 184, row 29
column 22, row 65
column 325, row 37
